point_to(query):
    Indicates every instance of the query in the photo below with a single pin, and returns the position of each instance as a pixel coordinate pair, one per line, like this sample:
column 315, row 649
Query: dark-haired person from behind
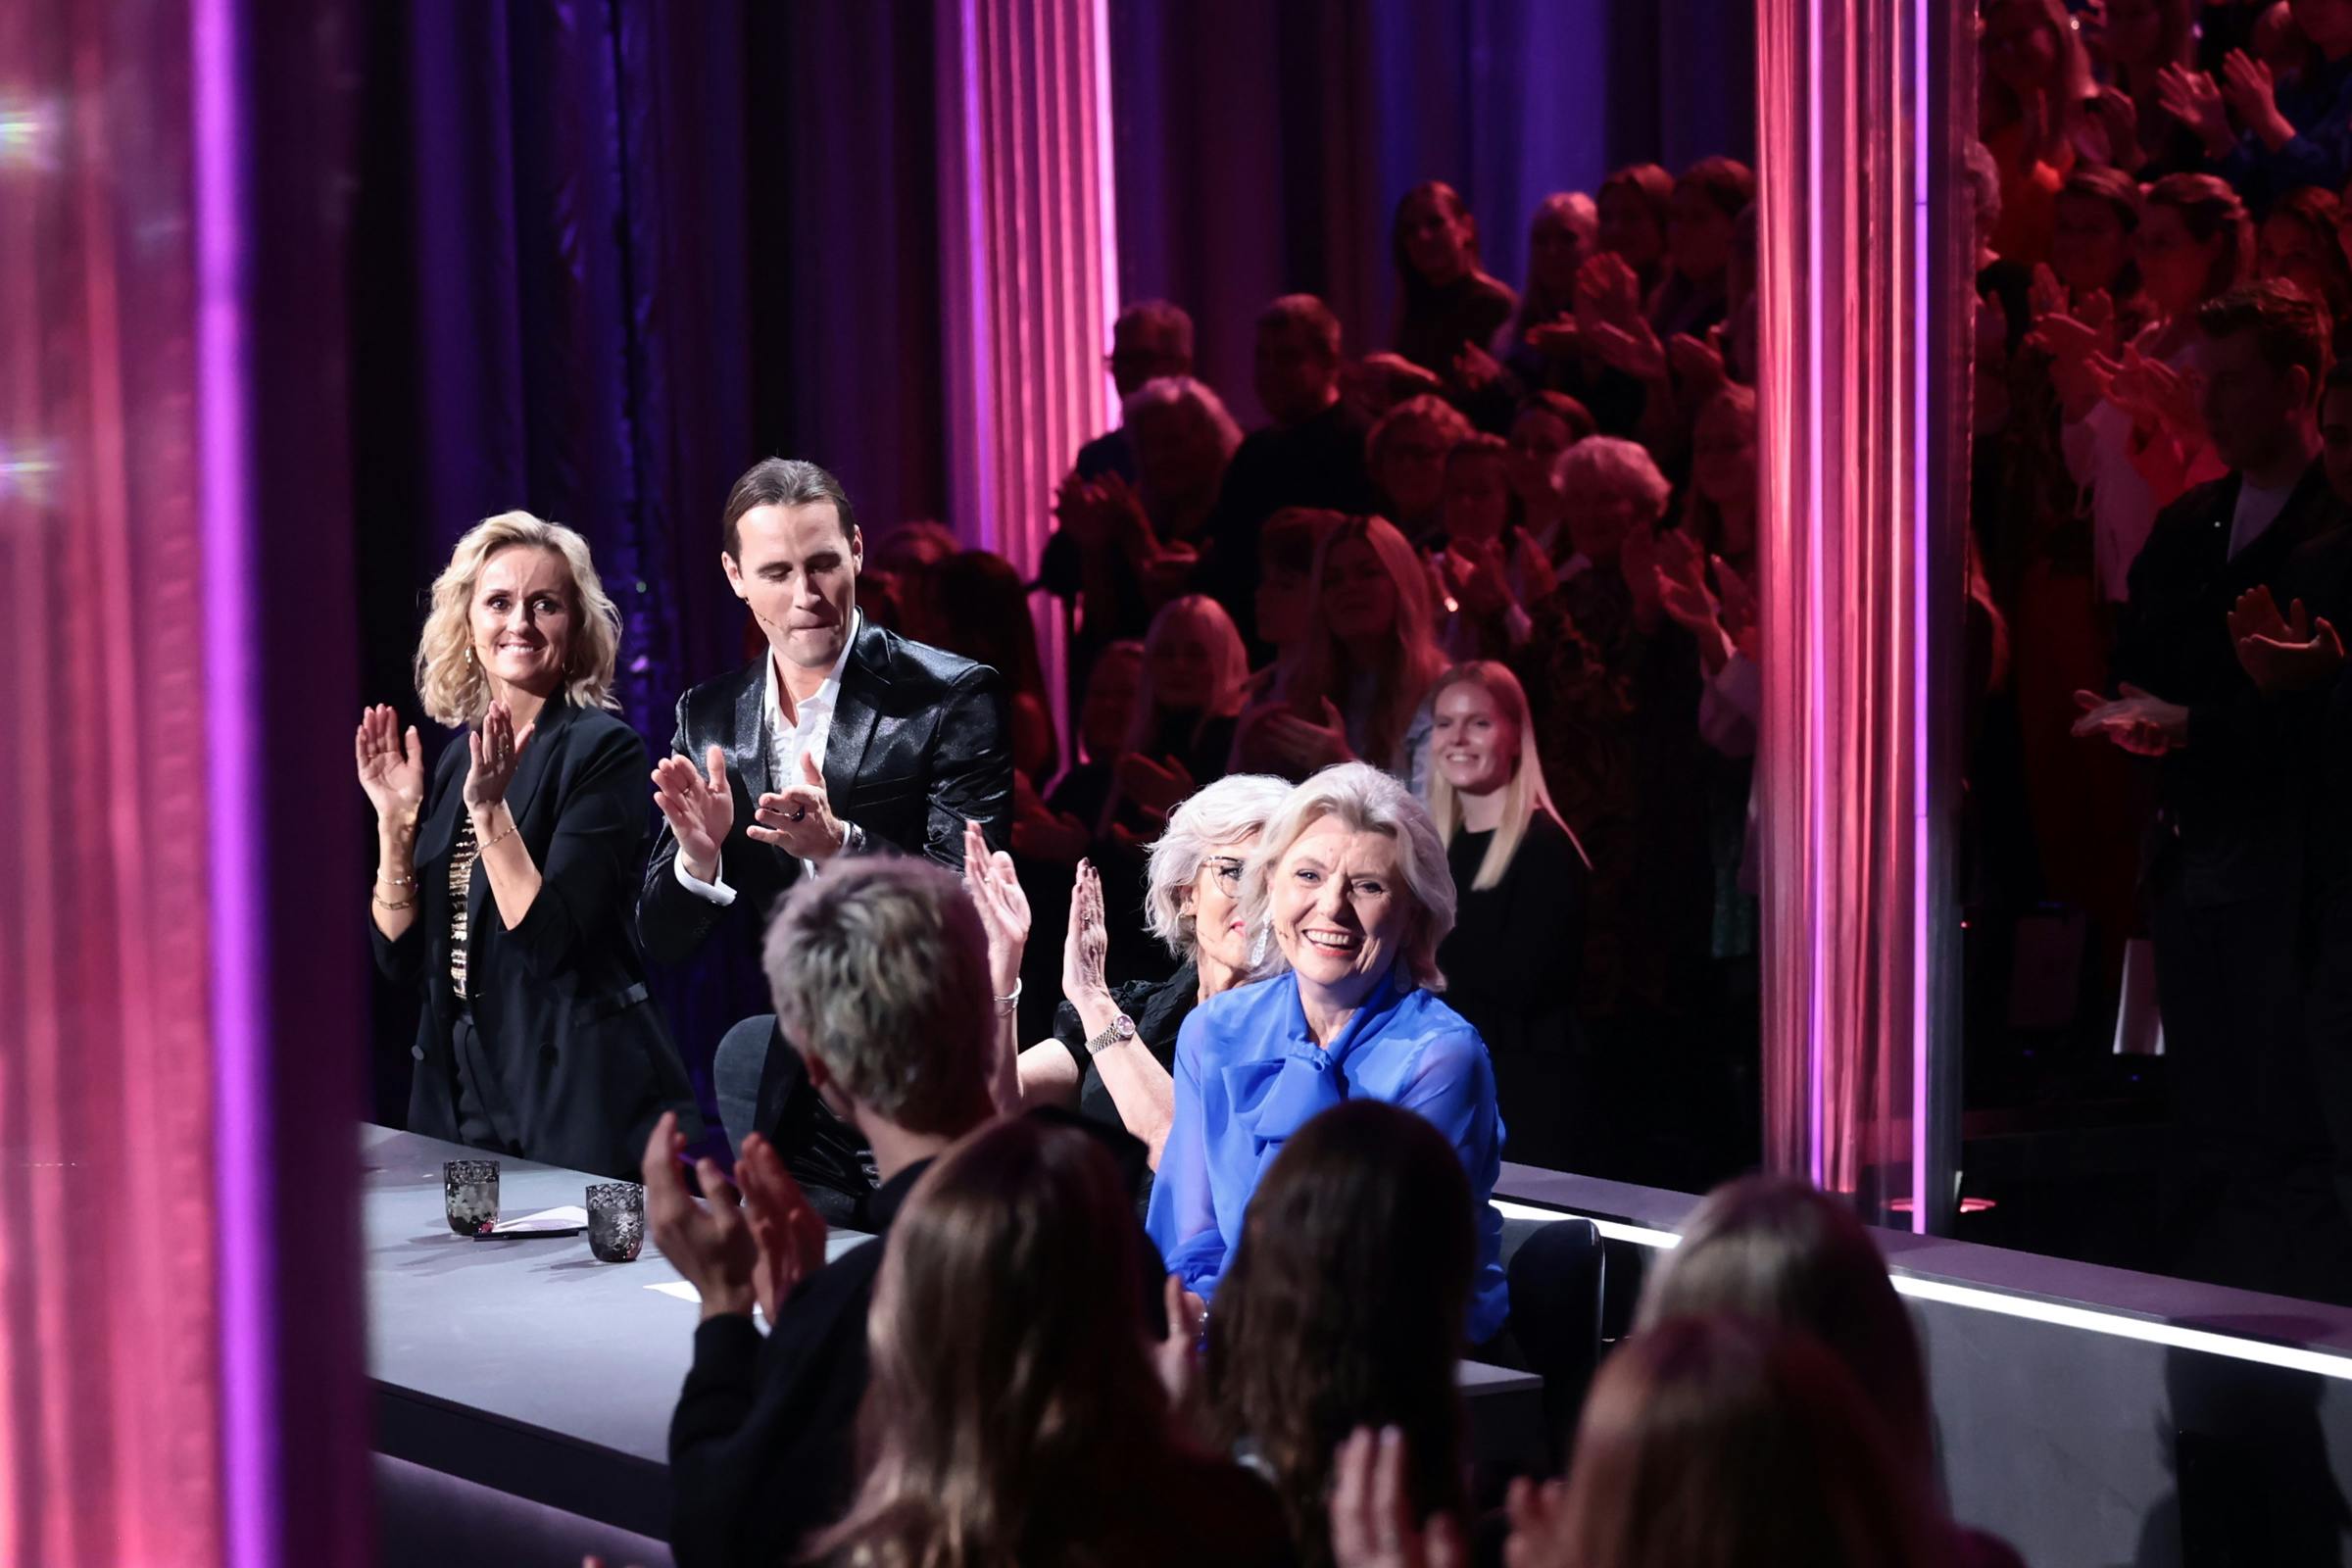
column 2223, row 869
column 1521, row 884
column 1782, row 1252
column 1013, row 1415
column 1344, row 1307
column 842, row 739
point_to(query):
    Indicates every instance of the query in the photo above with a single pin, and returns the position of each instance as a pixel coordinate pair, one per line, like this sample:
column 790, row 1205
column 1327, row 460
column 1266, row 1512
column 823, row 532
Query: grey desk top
column 529, row 1365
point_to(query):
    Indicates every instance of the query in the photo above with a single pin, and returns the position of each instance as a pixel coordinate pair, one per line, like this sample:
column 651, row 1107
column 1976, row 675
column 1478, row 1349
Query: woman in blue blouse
column 1351, row 879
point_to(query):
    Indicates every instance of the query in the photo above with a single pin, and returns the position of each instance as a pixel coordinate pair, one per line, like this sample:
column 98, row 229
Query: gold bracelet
column 386, row 903
column 396, row 881
column 512, row 827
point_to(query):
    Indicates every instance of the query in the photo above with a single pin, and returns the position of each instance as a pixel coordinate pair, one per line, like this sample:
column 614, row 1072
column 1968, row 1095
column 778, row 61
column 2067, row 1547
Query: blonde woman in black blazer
column 506, row 885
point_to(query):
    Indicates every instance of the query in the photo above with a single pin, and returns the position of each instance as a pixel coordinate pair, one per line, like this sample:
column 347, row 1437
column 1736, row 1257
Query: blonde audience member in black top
column 1517, row 945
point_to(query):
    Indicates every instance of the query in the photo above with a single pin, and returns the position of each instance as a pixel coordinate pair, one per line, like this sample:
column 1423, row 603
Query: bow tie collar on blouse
column 1273, row 1097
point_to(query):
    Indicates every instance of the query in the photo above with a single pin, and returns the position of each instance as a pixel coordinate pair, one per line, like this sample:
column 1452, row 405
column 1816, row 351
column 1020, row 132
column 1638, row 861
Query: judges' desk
column 524, row 1379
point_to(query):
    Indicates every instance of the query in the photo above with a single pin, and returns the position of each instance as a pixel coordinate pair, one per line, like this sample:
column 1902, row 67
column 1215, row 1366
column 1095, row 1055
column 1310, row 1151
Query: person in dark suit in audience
column 881, row 966
column 1521, row 881
column 2223, row 866
column 842, row 739
column 1312, row 454
column 503, row 885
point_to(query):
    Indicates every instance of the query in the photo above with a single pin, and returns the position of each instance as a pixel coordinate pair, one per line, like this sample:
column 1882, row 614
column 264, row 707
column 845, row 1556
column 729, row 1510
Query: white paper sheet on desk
column 561, row 1220
column 684, row 1292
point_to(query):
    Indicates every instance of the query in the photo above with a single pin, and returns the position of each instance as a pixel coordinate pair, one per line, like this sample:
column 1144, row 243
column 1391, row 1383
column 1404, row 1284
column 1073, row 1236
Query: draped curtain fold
column 1862, row 277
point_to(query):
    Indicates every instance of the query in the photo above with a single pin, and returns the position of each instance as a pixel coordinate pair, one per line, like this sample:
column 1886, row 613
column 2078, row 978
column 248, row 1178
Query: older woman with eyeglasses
column 1111, row 1049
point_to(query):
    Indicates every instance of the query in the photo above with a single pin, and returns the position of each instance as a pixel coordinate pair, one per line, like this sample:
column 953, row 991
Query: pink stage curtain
column 110, row 1394
column 1030, row 235
column 179, row 1317
column 1864, row 280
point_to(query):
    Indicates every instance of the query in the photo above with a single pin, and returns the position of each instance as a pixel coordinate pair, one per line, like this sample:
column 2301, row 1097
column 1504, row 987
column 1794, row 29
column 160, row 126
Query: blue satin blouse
column 1249, row 1075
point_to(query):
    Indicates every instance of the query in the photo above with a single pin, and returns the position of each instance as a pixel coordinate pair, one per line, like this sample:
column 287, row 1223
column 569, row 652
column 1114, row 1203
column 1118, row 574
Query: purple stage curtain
column 1865, row 291
column 1263, row 148
column 179, row 1324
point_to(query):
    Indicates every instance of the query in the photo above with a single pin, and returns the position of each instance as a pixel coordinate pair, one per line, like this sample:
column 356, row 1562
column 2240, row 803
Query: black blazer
column 918, row 744
column 2227, row 825
column 583, row 1066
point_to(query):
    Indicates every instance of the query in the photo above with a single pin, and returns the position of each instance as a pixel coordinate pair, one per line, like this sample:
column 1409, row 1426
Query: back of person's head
column 879, row 972
column 1012, row 1402
column 1345, row 1306
column 913, row 546
column 976, row 605
column 1782, row 1252
column 2289, row 326
column 1718, row 1443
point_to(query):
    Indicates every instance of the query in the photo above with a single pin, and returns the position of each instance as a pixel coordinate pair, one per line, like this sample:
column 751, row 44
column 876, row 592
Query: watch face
column 1123, row 1027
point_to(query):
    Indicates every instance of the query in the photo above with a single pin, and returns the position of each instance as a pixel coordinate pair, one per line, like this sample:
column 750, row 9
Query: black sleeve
column 761, row 1445
column 584, row 879
column 972, row 768
column 671, row 922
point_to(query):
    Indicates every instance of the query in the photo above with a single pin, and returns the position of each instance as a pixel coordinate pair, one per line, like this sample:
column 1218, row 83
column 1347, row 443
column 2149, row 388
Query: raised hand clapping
column 391, row 766
column 700, row 809
column 494, row 752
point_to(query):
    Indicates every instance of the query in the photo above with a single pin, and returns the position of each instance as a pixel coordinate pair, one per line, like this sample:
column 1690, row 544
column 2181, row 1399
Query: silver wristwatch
column 1117, row 1031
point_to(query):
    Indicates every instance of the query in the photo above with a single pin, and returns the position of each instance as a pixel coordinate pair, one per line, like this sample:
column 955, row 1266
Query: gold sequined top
column 462, row 857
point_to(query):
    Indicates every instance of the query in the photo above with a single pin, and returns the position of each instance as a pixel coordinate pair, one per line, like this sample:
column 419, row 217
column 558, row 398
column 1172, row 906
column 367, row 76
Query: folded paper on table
column 566, row 1219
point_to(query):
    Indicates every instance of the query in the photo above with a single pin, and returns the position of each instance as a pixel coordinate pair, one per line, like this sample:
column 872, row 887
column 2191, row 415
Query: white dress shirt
column 807, row 735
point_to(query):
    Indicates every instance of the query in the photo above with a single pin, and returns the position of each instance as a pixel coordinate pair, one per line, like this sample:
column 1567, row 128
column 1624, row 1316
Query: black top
column 762, row 1446
column 1512, row 964
column 1439, row 321
column 918, row 744
column 1158, row 1009
column 1319, row 461
column 2227, row 822
column 573, row 1065
column 1513, row 956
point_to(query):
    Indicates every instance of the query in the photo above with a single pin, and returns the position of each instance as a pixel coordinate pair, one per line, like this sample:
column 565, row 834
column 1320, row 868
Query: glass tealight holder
column 470, row 1195
column 615, row 1221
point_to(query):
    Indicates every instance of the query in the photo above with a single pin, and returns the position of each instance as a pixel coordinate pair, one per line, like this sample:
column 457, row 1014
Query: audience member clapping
column 1013, row 1415
column 1113, row 1047
column 881, row 967
column 1370, row 656
column 1447, row 301
column 1489, row 571
column 1182, row 729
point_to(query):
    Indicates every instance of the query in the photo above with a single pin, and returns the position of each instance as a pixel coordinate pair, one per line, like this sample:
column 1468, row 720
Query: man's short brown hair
column 2289, row 326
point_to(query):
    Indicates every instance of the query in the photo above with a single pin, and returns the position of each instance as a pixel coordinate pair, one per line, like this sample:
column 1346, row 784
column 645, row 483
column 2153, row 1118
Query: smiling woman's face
column 1340, row 909
column 521, row 618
